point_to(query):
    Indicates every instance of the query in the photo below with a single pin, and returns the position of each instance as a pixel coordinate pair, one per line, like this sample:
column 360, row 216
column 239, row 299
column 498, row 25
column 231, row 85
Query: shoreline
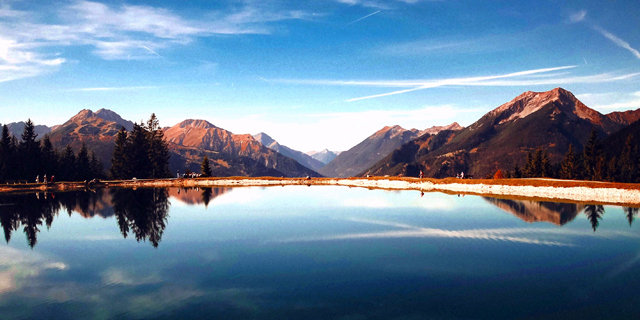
column 533, row 189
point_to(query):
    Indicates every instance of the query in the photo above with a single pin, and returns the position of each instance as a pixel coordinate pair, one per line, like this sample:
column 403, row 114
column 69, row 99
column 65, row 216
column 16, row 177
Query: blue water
column 314, row 253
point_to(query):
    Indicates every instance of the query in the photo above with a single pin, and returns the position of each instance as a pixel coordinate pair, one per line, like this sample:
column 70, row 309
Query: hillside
column 299, row 156
column 368, row 152
column 231, row 154
column 503, row 137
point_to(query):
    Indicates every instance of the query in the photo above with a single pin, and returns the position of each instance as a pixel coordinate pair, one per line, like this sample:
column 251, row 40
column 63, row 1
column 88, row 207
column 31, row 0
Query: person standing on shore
column 421, row 175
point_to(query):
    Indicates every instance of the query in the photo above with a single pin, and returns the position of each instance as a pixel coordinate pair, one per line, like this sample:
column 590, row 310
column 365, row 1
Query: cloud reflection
column 519, row 235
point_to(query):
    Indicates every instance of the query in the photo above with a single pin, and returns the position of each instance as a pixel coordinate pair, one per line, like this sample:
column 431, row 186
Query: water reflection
column 536, row 211
column 143, row 212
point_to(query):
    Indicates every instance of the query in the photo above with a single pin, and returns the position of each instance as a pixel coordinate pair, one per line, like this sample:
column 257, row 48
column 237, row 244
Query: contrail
column 152, row 51
column 367, row 16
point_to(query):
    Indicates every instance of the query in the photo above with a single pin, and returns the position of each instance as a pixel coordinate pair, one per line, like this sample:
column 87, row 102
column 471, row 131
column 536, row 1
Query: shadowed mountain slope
column 299, row 156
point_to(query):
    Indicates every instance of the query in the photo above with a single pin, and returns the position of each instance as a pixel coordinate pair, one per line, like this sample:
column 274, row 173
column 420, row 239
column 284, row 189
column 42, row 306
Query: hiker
column 37, row 178
column 52, row 179
column 461, row 175
column 421, row 175
column 45, row 178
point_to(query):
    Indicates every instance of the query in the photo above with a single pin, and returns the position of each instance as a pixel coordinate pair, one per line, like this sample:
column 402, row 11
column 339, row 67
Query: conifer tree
column 568, row 168
column 545, row 165
column 158, row 149
column 517, row 173
column 627, row 163
column 205, row 169
column 68, row 165
column 96, row 168
column 7, row 155
column 590, row 156
column 529, row 167
column 138, row 164
column 83, row 165
column 119, row 157
column 29, row 152
column 49, row 157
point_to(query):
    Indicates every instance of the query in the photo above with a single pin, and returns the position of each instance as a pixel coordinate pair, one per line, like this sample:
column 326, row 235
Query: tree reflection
column 30, row 212
column 206, row 196
column 630, row 213
column 594, row 213
column 143, row 212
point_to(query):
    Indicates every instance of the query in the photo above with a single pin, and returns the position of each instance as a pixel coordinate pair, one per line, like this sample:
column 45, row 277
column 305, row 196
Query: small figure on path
column 462, row 175
column 45, row 178
column 37, row 178
column 421, row 175
column 52, row 179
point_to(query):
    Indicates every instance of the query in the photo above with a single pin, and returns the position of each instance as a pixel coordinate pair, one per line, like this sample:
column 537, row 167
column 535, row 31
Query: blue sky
column 312, row 74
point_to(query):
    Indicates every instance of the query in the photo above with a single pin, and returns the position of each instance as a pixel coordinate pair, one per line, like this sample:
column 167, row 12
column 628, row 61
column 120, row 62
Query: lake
column 314, row 253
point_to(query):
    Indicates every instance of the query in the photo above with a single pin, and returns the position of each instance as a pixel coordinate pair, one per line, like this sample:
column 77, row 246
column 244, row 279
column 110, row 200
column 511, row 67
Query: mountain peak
column 390, row 131
column 264, row 138
column 196, row 123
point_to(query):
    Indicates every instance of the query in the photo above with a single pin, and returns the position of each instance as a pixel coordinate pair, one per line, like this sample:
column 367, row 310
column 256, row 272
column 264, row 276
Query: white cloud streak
column 619, row 42
column 527, row 78
column 114, row 88
column 367, row 16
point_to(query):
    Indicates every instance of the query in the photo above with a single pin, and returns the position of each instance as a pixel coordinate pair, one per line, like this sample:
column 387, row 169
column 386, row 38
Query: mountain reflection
column 535, row 211
column 196, row 196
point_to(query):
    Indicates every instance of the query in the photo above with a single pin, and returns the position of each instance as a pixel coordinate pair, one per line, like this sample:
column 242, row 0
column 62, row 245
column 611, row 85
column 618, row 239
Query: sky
column 311, row 74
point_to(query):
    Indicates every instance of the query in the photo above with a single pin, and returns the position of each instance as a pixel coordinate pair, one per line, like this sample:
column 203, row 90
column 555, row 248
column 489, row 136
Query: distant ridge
column 299, row 156
column 325, row 156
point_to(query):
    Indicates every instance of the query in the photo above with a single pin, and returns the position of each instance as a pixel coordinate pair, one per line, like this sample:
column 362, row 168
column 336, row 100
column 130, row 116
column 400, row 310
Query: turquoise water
column 314, row 253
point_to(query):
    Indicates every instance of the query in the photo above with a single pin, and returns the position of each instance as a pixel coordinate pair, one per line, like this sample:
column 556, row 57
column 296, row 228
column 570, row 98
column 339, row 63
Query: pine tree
column 568, row 168
column 627, row 162
column 49, row 157
column 29, row 152
column 119, row 157
column 83, row 165
column 137, row 151
column 96, row 168
column 7, row 155
column 590, row 156
column 529, row 167
column 517, row 173
column 545, row 165
column 158, row 149
column 205, row 169
column 68, row 165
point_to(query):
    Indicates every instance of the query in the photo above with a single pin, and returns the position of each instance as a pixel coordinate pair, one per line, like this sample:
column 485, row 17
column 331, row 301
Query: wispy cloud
column 527, row 78
column 114, row 88
column 519, row 235
column 619, row 42
column 117, row 32
column 578, row 16
column 367, row 16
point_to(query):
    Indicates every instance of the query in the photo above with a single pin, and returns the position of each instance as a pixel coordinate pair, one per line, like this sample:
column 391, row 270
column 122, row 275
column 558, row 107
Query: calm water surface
column 314, row 253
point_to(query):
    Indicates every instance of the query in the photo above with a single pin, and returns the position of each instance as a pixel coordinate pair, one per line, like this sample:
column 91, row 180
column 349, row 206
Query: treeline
column 28, row 159
column 590, row 164
column 141, row 153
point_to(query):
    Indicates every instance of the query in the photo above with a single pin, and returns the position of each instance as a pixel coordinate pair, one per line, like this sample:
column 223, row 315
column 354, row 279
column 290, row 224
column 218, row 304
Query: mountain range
column 374, row 148
column 500, row 139
column 504, row 136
